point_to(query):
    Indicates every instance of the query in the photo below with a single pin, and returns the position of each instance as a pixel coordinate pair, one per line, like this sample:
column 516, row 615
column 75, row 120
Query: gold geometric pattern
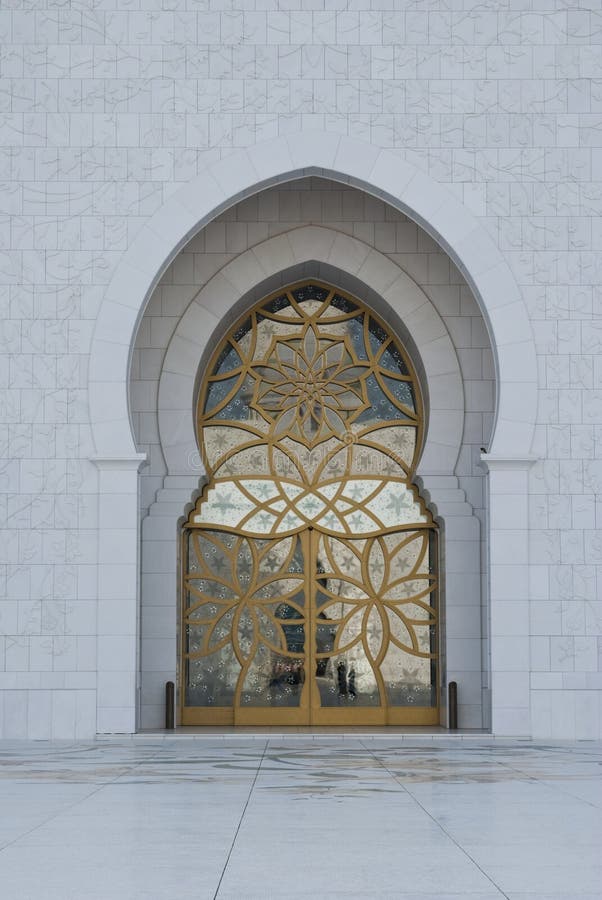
column 313, row 389
column 310, row 559
column 238, row 588
column 260, row 506
column 377, row 595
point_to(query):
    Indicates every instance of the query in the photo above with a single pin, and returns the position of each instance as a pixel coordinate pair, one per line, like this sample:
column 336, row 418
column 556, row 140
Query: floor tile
column 300, row 816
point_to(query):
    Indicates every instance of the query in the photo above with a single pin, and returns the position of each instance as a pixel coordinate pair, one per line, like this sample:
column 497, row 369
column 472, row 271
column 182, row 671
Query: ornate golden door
column 309, row 563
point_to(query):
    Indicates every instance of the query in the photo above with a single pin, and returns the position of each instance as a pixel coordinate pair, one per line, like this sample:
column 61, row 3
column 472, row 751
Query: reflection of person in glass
column 290, row 670
column 325, row 634
column 346, row 681
column 286, row 669
column 325, row 638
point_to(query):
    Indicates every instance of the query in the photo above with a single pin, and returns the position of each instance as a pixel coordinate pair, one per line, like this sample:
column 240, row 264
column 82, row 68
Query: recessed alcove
column 314, row 227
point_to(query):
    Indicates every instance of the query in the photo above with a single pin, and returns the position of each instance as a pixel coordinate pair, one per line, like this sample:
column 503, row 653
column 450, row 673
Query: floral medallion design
column 311, row 387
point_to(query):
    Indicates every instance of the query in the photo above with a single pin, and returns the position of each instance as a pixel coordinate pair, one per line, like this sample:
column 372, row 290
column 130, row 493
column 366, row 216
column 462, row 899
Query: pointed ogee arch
column 343, row 256
column 380, row 172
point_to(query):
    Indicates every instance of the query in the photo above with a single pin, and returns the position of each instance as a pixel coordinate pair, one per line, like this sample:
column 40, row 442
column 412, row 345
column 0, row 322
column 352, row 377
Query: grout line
column 551, row 784
column 242, row 815
column 436, row 822
column 126, row 769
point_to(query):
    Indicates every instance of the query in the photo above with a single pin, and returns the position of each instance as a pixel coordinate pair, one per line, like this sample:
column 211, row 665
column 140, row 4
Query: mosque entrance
column 310, row 561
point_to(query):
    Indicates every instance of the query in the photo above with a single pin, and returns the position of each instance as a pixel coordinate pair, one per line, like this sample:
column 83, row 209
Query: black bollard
column 452, row 705
column 170, row 704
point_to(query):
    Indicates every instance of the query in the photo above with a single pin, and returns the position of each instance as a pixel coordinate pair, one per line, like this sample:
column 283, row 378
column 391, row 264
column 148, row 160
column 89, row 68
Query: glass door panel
column 245, row 627
column 374, row 624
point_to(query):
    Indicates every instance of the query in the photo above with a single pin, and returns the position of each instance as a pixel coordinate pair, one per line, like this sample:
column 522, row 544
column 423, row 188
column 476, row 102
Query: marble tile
column 299, row 818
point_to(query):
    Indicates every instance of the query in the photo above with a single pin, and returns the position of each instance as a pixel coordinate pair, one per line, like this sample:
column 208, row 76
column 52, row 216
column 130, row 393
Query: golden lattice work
column 310, row 559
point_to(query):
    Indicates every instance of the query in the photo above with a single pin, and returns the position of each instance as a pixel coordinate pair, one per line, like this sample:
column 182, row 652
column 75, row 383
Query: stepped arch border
column 220, row 185
column 379, row 172
column 213, row 306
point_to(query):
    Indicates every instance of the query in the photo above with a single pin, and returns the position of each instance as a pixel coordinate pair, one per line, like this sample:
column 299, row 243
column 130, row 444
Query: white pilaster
column 508, row 484
column 159, row 600
column 117, row 611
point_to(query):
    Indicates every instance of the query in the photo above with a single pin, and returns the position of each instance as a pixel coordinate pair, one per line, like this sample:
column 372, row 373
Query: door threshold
column 231, row 733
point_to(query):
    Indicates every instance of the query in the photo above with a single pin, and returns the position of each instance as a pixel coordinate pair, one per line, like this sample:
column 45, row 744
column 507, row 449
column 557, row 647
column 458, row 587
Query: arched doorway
column 116, row 453
column 309, row 563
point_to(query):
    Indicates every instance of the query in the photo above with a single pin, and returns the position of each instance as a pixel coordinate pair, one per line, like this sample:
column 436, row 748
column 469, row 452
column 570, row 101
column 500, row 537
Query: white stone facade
column 160, row 164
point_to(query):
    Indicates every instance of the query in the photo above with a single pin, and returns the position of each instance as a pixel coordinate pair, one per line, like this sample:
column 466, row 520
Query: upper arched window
column 311, row 389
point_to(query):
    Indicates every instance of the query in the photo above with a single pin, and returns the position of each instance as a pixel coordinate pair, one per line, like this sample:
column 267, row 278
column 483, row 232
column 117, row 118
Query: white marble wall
column 106, row 109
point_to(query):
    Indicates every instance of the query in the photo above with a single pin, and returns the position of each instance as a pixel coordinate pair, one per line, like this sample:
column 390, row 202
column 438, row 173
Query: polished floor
column 299, row 816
